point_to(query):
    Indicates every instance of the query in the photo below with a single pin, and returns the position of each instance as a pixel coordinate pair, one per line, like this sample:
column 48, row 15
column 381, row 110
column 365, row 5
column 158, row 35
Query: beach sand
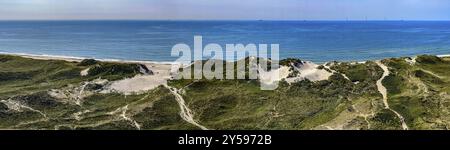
column 446, row 55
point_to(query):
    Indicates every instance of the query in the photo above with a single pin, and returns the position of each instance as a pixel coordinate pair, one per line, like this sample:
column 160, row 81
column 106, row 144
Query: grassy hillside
column 52, row 94
column 26, row 83
column 421, row 91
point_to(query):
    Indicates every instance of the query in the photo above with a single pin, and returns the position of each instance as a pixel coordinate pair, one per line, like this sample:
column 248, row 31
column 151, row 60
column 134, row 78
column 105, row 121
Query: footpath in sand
column 383, row 92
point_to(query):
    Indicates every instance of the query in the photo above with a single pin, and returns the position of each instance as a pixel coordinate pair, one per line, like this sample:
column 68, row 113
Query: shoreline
column 443, row 55
column 79, row 59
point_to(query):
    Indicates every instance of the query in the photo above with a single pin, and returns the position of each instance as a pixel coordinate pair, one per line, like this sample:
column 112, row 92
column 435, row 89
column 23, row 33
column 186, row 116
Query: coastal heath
column 189, row 65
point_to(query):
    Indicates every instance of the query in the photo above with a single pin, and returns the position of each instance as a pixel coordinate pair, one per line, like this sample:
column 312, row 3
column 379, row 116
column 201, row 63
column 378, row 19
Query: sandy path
column 124, row 116
column 79, row 96
column 334, row 71
column 122, row 113
column 382, row 89
column 185, row 113
column 17, row 106
column 432, row 73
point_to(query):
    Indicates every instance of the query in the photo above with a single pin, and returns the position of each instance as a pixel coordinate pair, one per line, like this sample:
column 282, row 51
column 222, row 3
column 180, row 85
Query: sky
column 225, row 9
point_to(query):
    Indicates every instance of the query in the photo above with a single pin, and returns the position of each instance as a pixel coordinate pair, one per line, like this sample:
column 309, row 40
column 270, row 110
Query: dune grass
column 419, row 92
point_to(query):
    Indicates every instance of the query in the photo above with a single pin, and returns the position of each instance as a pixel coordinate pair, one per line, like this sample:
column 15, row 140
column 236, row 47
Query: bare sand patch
column 411, row 61
column 141, row 83
column 85, row 72
column 310, row 71
column 306, row 70
column 273, row 76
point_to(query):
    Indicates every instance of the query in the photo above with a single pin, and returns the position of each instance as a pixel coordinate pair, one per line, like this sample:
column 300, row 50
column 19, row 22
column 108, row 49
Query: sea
column 152, row 40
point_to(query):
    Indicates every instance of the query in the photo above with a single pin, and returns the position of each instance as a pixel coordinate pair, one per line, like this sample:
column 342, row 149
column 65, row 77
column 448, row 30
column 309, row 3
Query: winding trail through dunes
column 185, row 113
column 334, row 71
column 124, row 116
column 17, row 106
column 80, row 97
column 383, row 92
column 122, row 113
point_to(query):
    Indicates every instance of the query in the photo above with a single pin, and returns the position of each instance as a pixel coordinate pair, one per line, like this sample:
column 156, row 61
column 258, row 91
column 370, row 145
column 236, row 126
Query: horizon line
column 224, row 20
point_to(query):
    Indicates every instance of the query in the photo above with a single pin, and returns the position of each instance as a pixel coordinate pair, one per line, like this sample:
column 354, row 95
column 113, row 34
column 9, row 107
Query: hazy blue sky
column 226, row 9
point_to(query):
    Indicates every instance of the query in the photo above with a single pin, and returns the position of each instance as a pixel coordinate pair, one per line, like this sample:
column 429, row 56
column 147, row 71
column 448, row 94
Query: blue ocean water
column 318, row 41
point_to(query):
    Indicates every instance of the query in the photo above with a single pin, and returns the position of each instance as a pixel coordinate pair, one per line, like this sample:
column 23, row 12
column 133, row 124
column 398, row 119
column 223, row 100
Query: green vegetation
column 26, row 82
column 22, row 75
column 360, row 72
column 428, row 59
column 115, row 71
column 290, row 61
column 419, row 92
column 88, row 62
column 240, row 104
column 386, row 120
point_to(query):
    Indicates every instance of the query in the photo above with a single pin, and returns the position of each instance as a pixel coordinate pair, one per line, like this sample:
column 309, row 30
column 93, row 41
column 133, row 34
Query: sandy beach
column 445, row 55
